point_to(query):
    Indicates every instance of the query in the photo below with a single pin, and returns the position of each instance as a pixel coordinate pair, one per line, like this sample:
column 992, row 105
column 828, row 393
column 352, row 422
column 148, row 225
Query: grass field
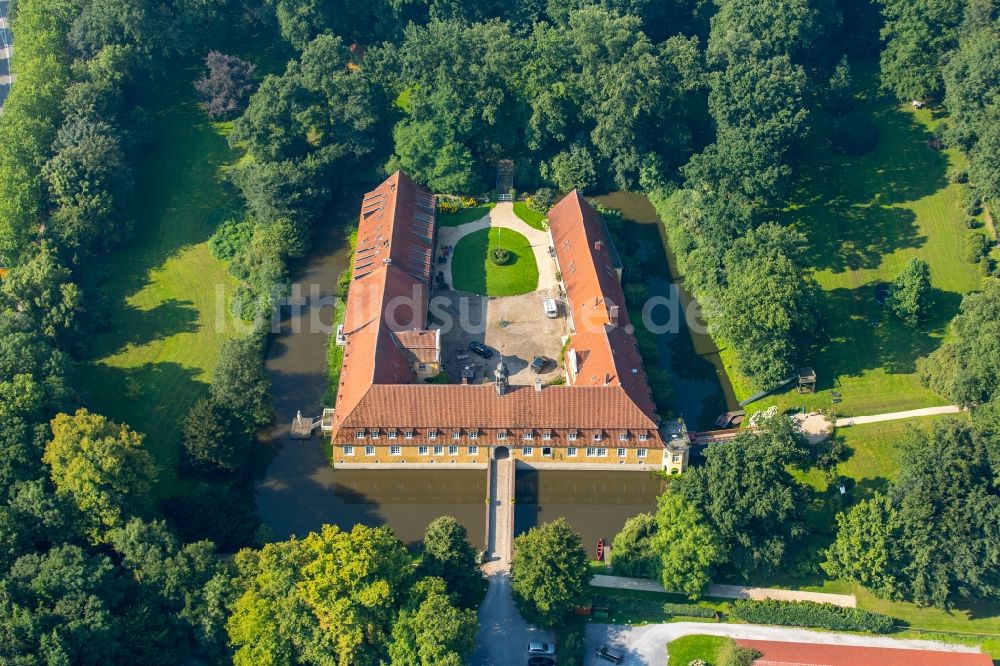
column 465, row 215
column 711, row 649
column 472, row 271
column 865, row 217
column 529, row 216
column 167, row 293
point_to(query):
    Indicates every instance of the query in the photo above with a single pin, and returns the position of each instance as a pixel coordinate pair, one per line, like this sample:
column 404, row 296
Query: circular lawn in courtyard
column 473, row 271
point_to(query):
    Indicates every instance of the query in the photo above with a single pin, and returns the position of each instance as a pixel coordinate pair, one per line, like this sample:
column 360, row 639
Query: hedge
column 811, row 614
column 688, row 610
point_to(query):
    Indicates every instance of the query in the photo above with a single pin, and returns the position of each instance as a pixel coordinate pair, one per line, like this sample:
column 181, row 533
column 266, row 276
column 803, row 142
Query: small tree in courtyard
column 549, row 573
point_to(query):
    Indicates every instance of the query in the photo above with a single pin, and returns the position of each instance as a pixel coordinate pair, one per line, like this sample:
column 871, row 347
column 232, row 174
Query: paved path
column 896, row 416
column 503, row 634
column 501, row 528
column 502, row 215
column 730, row 591
column 647, row 645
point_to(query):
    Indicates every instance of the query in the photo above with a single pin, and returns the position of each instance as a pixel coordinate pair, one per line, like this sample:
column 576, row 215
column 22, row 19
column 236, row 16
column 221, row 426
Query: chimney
column 613, row 314
column 538, row 383
column 607, row 378
column 598, row 245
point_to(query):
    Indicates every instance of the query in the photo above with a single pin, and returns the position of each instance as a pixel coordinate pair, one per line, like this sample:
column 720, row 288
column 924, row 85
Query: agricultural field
column 864, row 218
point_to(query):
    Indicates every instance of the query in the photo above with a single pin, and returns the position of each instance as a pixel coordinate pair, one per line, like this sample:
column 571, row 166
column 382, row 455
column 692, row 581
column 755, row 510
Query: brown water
column 701, row 388
column 301, row 492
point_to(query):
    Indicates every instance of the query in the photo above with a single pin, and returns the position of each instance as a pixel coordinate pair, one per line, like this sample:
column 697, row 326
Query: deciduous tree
column 549, row 572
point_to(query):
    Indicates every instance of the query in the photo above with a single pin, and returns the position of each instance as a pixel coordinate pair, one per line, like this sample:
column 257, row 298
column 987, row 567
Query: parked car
column 540, row 363
column 543, row 649
column 481, row 349
column 551, row 308
column 541, row 661
column 606, row 653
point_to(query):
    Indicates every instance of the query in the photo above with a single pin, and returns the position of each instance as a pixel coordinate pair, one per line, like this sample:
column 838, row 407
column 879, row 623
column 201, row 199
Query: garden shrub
column 500, row 256
column 542, row 199
column 811, row 614
column 975, row 247
column 688, row 610
column 956, row 175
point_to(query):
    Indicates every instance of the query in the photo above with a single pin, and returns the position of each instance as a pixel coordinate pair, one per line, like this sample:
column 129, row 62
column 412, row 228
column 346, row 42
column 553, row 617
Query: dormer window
column 528, row 434
column 546, row 435
column 360, row 434
column 392, row 434
column 622, row 436
column 375, row 433
column 642, row 437
column 474, row 433
column 572, row 435
column 501, row 434
column 408, row 434
column 597, row 436
column 432, row 434
column 456, row 434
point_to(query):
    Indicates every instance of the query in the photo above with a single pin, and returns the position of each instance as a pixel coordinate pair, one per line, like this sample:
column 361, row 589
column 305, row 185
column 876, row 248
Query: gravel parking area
column 514, row 325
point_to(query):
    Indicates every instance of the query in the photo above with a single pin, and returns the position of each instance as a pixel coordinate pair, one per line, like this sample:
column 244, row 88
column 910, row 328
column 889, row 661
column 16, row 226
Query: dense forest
column 701, row 105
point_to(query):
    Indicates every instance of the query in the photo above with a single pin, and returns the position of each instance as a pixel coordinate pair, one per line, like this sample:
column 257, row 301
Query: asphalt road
column 647, row 645
column 503, row 635
column 6, row 39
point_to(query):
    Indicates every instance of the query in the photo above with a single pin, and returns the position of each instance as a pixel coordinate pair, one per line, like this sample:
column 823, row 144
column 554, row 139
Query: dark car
column 481, row 349
column 541, row 661
column 614, row 656
column 540, row 363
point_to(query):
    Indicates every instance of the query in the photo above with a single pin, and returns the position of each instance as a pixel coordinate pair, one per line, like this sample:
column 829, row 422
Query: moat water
column 300, row 491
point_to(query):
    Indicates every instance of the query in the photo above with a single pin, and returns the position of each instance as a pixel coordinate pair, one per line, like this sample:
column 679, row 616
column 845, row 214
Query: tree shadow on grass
column 859, row 335
column 131, row 326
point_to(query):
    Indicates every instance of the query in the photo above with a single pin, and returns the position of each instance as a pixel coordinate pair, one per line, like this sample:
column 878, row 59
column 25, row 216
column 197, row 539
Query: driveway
column 6, row 45
column 647, row 645
column 503, row 635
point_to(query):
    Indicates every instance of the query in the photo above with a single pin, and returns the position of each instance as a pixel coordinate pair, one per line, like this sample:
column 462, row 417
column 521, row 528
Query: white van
column 551, row 308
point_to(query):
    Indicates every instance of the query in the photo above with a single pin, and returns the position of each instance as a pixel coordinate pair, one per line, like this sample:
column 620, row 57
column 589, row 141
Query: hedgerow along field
column 864, row 218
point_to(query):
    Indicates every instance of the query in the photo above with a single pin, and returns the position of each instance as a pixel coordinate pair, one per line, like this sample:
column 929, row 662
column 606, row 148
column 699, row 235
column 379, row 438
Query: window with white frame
column 675, row 458
column 640, row 453
column 570, row 451
column 456, row 434
column 360, row 434
column 474, row 434
column 622, row 436
column 642, row 437
column 528, row 434
column 408, row 434
column 432, row 433
column 375, row 433
column 423, row 450
column 546, row 435
column 598, row 436
column 369, row 450
column 392, row 434
column 602, row 453
column 572, row 435
column 501, row 434
column 527, row 451
column 591, row 451
column 348, row 450
column 395, row 451
column 452, row 450
column 622, row 453
column 439, row 450
column 472, row 450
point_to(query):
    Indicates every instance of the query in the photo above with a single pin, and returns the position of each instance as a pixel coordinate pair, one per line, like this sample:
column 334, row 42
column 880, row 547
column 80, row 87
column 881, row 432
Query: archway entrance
column 501, row 453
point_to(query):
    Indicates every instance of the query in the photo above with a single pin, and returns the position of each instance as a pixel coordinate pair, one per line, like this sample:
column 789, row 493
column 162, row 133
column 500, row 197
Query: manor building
column 387, row 414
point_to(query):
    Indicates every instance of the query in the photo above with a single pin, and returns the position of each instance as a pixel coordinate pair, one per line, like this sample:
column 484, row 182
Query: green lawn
column 529, row 216
column 711, row 649
column 464, row 216
column 865, row 217
column 472, row 271
column 167, row 293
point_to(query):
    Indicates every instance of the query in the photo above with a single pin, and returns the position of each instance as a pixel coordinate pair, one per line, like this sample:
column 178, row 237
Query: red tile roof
column 779, row 653
column 385, row 324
